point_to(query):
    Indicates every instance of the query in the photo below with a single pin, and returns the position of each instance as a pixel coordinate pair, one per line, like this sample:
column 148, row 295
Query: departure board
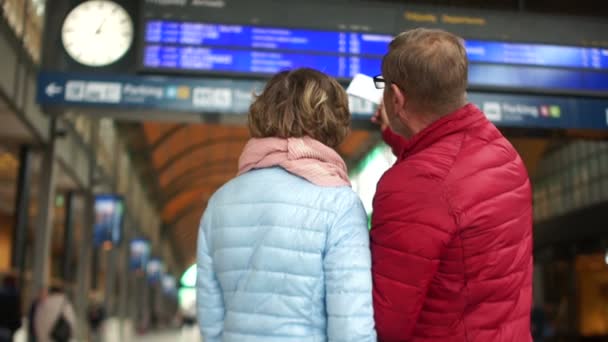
column 249, row 37
column 537, row 54
column 259, row 62
column 261, row 51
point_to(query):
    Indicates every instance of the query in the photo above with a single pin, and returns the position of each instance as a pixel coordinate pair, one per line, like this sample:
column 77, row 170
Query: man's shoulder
column 455, row 157
column 410, row 174
column 488, row 151
column 432, row 163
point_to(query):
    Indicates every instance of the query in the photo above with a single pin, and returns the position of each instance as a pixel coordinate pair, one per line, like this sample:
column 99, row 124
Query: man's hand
column 380, row 118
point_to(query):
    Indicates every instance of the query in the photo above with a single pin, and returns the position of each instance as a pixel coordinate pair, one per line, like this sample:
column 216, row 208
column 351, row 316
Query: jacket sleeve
column 394, row 140
column 70, row 315
column 412, row 225
column 210, row 301
column 348, row 283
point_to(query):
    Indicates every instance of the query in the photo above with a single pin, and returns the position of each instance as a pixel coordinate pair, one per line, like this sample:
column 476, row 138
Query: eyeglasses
column 380, row 82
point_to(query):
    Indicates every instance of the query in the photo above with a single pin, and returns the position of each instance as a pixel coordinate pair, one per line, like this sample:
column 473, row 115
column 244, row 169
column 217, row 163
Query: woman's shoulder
column 278, row 185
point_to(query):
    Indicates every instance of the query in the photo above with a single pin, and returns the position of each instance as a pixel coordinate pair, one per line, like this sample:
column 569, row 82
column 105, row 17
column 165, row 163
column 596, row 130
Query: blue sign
column 140, row 254
column 253, row 62
column 164, row 33
column 262, row 63
column 209, row 95
column 154, row 270
column 549, row 112
column 109, row 215
column 261, row 51
column 205, row 34
column 537, row 78
column 169, row 285
column 206, row 95
column 536, row 54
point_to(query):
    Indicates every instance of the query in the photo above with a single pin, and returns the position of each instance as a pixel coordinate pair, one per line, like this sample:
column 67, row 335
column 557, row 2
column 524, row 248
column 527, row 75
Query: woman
column 55, row 317
column 283, row 249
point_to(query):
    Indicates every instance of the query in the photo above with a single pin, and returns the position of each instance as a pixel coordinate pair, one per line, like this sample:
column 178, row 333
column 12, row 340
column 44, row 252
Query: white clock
column 97, row 33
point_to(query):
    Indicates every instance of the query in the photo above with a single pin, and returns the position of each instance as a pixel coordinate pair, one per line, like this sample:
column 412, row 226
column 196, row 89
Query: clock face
column 97, row 33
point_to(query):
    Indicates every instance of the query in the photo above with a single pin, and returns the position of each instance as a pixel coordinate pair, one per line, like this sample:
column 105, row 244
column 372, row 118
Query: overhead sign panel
column 273, row 38
column 199, row 47
column 162, row 37
column 385, row 17
column 255, row 39
column 163, row 93
column 209, row 95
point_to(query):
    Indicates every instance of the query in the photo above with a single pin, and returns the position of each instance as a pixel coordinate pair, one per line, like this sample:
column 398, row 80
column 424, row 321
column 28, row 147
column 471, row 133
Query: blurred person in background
column 451, row 233
column 96, row 317
column 283, row 249
column 54, row 318
column 10, row 309
column 31, row 329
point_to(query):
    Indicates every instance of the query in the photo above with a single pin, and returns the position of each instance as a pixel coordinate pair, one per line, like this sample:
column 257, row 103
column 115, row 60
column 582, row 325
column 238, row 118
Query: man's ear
column 398, row 98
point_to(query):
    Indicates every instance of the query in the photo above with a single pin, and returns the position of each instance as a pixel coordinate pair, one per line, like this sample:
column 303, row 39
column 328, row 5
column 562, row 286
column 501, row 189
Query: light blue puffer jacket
column 281, row 259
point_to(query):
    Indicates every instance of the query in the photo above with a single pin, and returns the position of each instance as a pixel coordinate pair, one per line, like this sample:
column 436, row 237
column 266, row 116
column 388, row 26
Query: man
column 10, row 309
column 452, row 223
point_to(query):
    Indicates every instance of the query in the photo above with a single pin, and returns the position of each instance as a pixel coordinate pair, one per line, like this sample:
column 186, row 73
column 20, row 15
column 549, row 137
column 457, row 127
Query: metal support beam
column 68, row 237
column 94, row 270
column 136, row 301
column 145, row 308
column 573, row 296
column 112, row 255
column 19, row 86
column 46, row 204
column 21, row 227
column 124, row 279
column 86, row 244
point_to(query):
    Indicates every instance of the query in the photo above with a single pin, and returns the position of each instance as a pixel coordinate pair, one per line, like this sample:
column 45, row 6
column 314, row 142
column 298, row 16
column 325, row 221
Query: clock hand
column 98, row 31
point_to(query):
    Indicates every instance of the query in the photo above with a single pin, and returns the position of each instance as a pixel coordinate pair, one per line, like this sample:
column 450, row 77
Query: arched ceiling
column 184, row 164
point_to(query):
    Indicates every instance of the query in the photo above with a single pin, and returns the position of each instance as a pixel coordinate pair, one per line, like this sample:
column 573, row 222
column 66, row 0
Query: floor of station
column 190, row 334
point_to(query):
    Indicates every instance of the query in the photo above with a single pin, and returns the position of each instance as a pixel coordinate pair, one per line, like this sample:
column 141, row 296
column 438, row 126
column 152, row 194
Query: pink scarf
column 304, row 157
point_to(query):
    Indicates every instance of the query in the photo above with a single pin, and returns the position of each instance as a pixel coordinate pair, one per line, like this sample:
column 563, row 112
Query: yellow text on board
column 419, row 17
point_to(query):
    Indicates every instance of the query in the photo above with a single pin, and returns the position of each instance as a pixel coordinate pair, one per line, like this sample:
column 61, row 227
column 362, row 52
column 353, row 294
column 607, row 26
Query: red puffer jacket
column 452, row 236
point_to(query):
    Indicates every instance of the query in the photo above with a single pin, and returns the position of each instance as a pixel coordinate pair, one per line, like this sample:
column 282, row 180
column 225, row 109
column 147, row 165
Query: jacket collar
column 452, row 123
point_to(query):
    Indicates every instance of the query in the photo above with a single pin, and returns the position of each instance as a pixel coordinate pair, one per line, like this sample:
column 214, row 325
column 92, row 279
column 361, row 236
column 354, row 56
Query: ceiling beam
column 187, row 188
column 166, row 136
column 197, row 172
column 196, row 147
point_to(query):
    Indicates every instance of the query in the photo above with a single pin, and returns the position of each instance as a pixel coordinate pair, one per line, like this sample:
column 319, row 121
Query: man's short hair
column 430, row 67
column 301, row 102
